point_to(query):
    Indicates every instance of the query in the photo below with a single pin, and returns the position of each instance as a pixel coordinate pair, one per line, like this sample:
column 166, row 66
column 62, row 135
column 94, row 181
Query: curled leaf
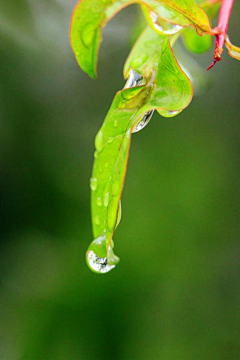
column 155, row 82
column 200, row 44
column 152, row 57
column 90, row 16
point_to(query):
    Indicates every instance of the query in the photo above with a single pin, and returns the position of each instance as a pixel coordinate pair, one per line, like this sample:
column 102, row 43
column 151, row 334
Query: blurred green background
column 175, row 294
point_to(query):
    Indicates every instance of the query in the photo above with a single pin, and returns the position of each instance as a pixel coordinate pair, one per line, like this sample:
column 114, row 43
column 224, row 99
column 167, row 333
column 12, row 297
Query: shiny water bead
column 98, row 265
column 99, row 201
column 106, row 199
column 97, row 220
column 98, row 258
column 115, row 188
column 99, row 141
column 145, row 120
column 93, row 183
column 169, row 113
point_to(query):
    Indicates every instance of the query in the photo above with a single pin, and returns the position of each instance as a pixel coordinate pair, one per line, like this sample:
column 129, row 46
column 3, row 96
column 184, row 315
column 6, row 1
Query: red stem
column 221, row 29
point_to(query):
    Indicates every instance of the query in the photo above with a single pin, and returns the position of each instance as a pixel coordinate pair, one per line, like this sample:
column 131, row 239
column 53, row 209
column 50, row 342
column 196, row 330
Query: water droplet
column 99, row 201
column 87, row 35
column 162, row 26
column 134, row 79
column 115, row 123
column 97, row 220
column 110, row 140
column 106, row 199
column 145, row 120
column 95, row 154
column 100, row 259
column 169, row 113
column 93, row 183
column 99, row 141
column 115, row 188
column 98, row 265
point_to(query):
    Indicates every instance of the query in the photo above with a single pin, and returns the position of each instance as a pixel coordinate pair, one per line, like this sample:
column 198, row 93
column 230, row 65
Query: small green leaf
column 90, row 16
column 166, row 89
column 195, row 43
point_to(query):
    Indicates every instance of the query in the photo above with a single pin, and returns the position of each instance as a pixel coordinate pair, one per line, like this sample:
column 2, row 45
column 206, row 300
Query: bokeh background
column 175, row 294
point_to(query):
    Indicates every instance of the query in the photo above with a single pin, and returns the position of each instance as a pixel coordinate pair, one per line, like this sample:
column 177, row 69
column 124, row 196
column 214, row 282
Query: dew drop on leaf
column 97, row 220
column 115, row 123
column 106, row 199
column 93, row 183
column 115, row 188
column 99, row 141
column 87, row 35
column 99, row 201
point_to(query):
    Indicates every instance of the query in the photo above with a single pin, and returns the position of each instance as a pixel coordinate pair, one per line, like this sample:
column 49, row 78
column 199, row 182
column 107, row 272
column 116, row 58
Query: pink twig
column 221, row 29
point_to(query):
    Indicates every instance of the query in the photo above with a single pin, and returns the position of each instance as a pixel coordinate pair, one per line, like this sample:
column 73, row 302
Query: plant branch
column 221, row 30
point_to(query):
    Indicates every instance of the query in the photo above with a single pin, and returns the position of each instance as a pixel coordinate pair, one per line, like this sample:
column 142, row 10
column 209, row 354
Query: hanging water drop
column 98, row 265
column 145, row 120
column 99, row 259
column 169, row 113
column 134, row 79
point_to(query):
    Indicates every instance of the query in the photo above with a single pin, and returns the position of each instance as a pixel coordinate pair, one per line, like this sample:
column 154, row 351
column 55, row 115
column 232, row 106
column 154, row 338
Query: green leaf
column 152, row 57
column 90, row 16
column 167, row 89
column 195, row 43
